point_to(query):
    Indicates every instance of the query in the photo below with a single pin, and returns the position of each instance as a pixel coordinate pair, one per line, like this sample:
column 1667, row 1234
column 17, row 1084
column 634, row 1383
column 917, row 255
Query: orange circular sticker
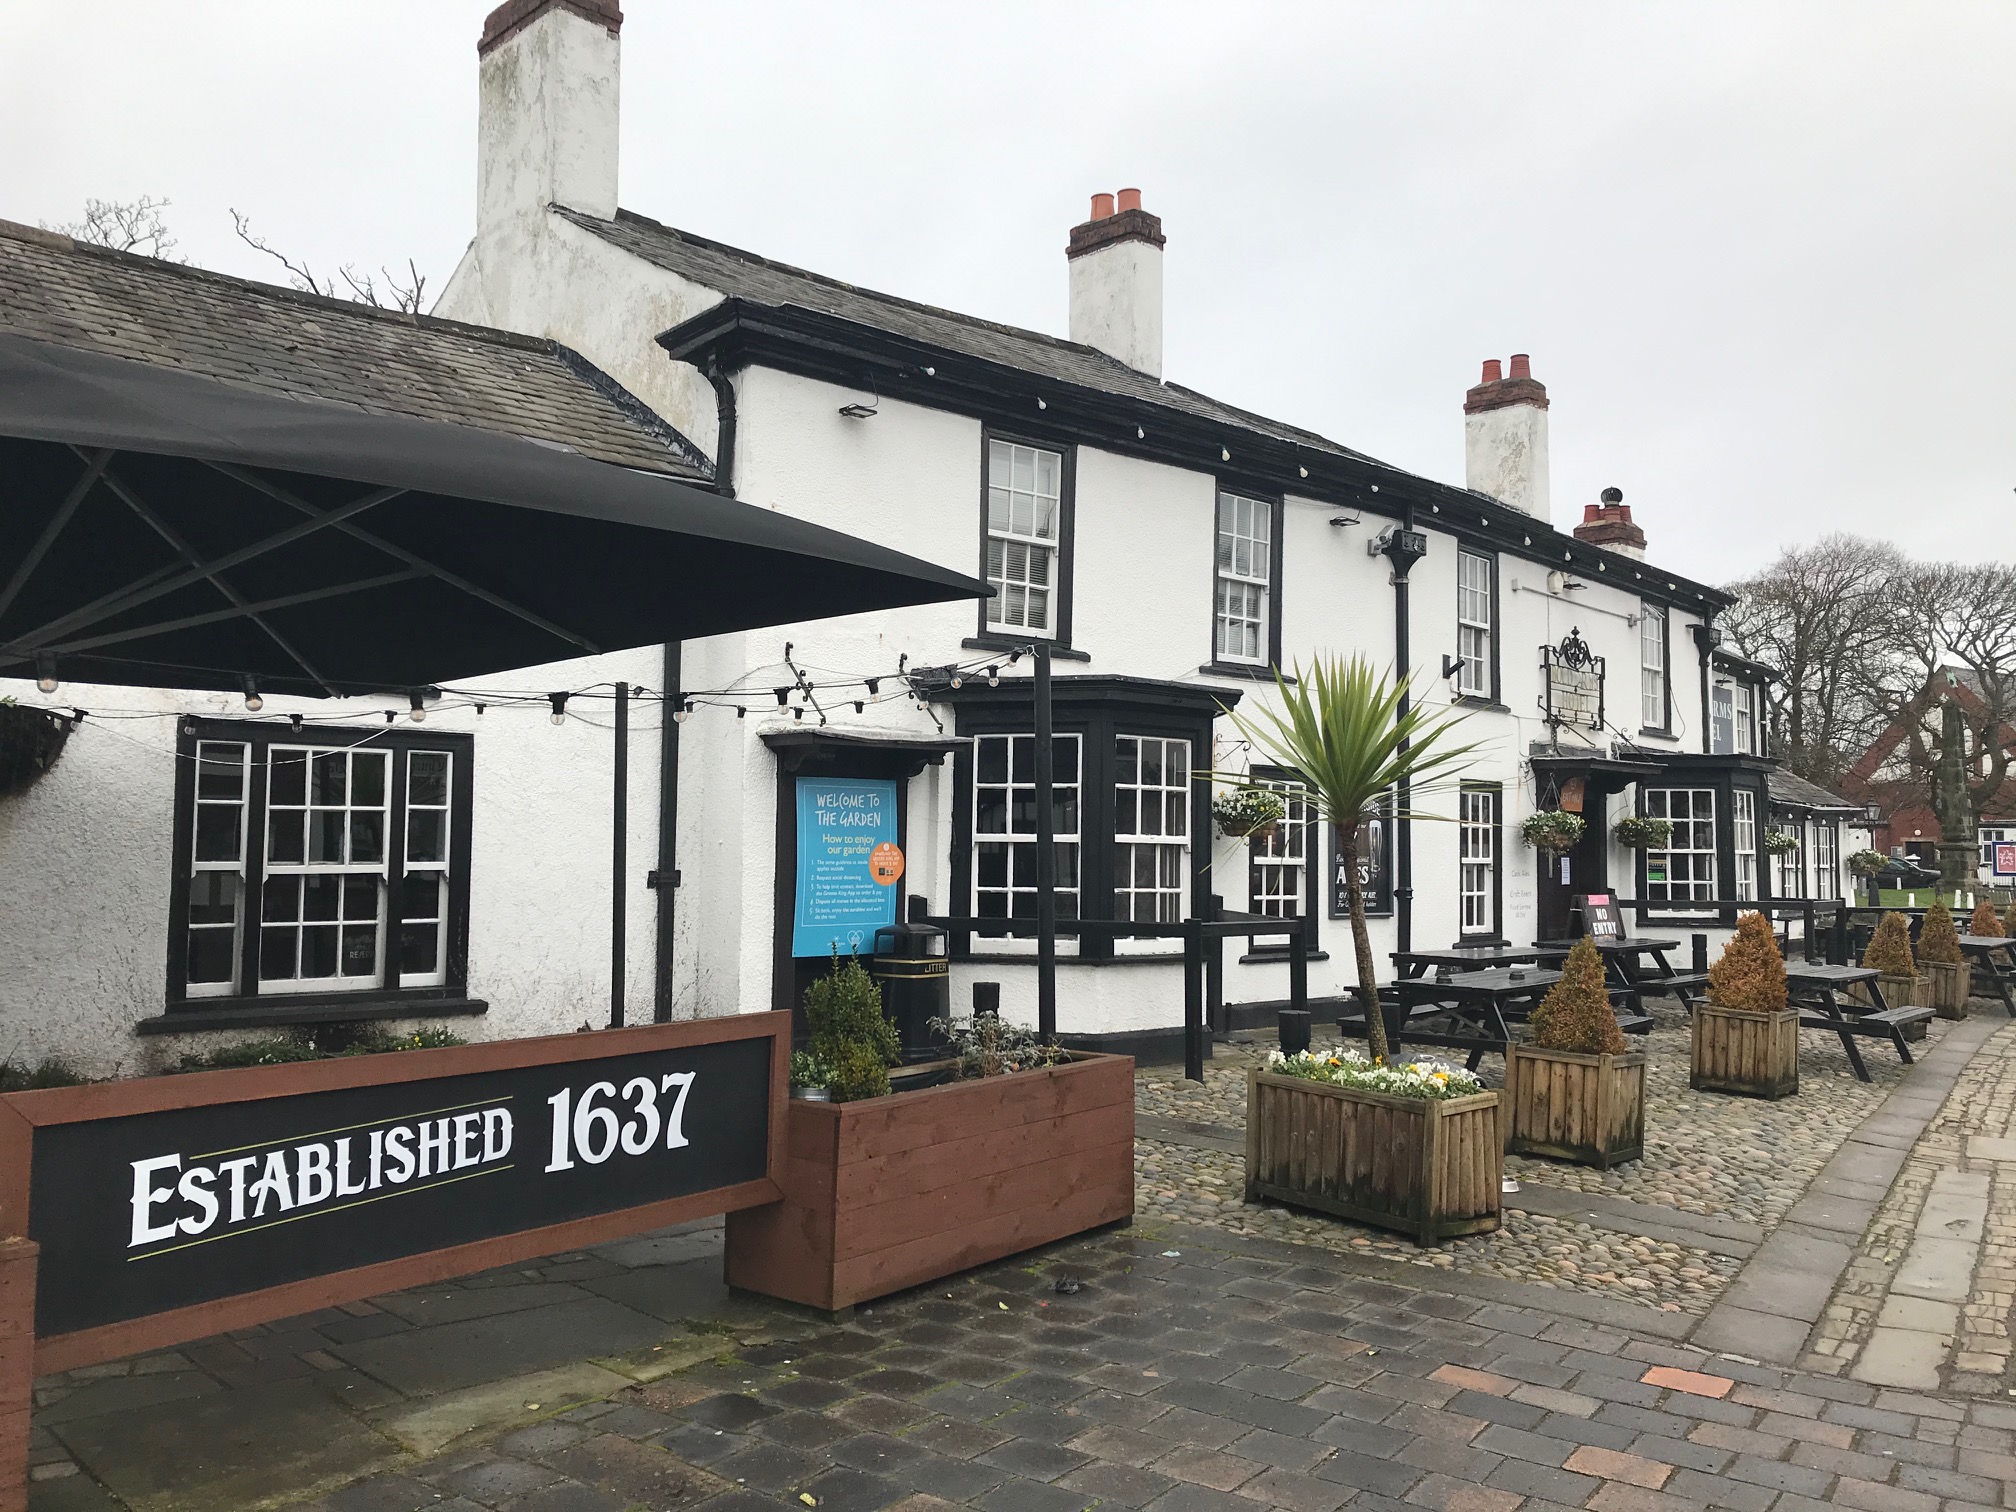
column 885, row 864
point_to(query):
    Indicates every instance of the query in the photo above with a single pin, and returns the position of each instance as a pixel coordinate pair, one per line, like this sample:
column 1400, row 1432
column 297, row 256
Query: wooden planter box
column 1432, row 1169
column 1949, row 983
column 1586, row 1108
column 895, row 1191
column 1752, row 1054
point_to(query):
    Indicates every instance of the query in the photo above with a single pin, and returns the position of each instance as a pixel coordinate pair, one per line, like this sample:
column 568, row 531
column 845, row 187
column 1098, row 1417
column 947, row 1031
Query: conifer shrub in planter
column 1575, row 1090
column 1746, row 1034
column 1414, row 1147
column 887, row 1190
column 1946, row 970
column 1889, row 953
column 1986, row 922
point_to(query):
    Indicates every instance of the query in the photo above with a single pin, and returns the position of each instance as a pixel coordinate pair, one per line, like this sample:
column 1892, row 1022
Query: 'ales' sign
column 191, row 1200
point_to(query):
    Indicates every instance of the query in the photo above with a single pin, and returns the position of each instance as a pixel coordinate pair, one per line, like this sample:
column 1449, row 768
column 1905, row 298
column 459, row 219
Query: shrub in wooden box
column 1429, row 1167
column 1946, row 976
column 1746, row 1038
column 891, row 1192
column 1576, row 1090
column 1950, row 983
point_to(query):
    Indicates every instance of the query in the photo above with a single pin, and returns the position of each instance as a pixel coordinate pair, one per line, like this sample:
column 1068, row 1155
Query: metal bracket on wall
column 656, row 879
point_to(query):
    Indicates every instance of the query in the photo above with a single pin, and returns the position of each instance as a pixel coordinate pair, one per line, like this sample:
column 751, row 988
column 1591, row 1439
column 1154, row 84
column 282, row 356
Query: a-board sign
column 841, row 898
column 1600, row 915
column 172, row 1207
column 2005, row 858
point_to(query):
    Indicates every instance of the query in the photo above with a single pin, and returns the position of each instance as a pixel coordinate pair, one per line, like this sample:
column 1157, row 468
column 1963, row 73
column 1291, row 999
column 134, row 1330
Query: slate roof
column 744, row 275
column 1797, row 792
column 304, row 346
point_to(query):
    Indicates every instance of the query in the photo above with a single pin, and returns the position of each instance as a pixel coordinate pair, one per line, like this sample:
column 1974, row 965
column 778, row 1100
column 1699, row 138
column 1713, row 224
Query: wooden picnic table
column 1480, row 1007
column 1816, row 987
column 1621, row 955
column 1995, row 954
column 1458, row 958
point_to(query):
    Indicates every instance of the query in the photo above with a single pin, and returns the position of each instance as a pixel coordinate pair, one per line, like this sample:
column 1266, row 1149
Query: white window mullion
column 1024, row 519
column 1474, row 626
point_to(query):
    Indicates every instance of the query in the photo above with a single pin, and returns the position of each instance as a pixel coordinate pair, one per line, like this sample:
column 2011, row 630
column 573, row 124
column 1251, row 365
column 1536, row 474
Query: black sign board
column 172, row 1207
column 1375, row 862
column 1600, row 917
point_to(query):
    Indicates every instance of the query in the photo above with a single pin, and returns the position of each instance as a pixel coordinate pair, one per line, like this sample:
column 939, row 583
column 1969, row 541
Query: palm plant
column 1349, row 733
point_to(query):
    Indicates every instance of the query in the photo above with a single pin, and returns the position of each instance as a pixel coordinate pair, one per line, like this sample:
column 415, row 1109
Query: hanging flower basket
column 30, row 742
column 1779, row 842
column 1867, row 863
column 1246, row 812
column 1643, row 834
column 1554, row 831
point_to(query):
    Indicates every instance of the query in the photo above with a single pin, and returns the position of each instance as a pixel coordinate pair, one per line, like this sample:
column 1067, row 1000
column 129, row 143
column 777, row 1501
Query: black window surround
column 1722, row 775
column 1007, row 638
column 1099, row 710
column 1496, row 933
column 1275, row 947
column 1665, row 725
column 247, row 1005
column 1490, row 698
column 1277, row 518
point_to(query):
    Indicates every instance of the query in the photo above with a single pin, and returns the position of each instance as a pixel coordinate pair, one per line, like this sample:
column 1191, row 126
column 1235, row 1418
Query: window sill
column 1277, row 957
column 199, row 1014
column 1004, row 643
column 1243, row 672
column 1658, row 734
column 1479, row 703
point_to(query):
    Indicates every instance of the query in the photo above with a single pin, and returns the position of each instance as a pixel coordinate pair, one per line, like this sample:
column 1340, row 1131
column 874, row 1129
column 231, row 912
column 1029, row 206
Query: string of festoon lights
column 774, row 688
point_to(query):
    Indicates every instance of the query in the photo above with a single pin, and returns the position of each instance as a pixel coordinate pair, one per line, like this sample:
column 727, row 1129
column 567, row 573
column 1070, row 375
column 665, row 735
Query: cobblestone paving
column 1971, row 1135
column 1219, row 1378
column 1708, row 1154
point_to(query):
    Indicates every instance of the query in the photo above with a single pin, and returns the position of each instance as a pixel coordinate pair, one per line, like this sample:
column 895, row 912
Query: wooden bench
column 1682, row 984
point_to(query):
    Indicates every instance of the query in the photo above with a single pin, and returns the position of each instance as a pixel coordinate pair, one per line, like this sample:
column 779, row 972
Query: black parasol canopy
column 166, row 529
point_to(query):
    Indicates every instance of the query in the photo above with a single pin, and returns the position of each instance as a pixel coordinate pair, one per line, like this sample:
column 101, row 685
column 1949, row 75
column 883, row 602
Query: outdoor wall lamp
column 1342, row 522
column 1451, row 665
column 859, row 411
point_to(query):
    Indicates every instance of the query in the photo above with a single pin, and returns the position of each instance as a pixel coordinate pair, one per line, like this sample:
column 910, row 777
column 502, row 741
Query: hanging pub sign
column 1574, row 682
column 169, row 1208
column 848, row 865
column 1375, row 862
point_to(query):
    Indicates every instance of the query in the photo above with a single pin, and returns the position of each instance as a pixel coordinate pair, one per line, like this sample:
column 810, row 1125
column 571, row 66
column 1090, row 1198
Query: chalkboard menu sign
column 1600, row 917
column 1375, row 862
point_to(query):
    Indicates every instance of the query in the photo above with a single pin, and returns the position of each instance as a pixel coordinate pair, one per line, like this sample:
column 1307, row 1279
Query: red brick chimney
column 1609, row 525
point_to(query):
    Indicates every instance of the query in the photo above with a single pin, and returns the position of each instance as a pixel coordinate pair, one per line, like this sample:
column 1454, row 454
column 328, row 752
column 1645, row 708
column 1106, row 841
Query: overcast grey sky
column 1761, row 252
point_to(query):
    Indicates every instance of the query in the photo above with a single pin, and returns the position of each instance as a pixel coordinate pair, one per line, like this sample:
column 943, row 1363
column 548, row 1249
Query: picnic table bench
column 1815, row 989
column 1994, row 955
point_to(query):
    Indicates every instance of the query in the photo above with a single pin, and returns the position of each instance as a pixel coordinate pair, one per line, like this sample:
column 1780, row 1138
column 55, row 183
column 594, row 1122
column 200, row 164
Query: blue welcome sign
column 840, row 903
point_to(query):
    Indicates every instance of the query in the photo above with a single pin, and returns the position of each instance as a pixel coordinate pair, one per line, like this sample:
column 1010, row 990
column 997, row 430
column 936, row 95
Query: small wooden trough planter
column 892, row 1192
column 1949, row 983
column 1426, row 1167
column 1586, row 1108
column 1750, row 1054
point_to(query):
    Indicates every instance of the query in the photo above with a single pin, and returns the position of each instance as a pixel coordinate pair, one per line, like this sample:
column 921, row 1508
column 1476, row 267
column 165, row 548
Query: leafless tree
column 1821, row 615
column 408, row 294
column 123, row 225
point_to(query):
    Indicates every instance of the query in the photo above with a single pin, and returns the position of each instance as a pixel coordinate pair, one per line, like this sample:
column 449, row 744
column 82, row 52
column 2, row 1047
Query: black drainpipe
column 1404, row 547
column 1707, row 636
column 666, row 878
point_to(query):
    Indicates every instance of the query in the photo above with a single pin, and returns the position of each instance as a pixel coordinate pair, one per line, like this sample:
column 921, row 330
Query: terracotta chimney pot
column 1102, row 206
column 1522, row 365
column 1130, row 199
column 1494, row 370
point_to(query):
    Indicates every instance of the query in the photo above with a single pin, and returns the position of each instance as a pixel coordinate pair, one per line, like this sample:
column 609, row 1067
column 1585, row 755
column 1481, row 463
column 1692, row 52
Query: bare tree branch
column 364, row 288
column 134, row 226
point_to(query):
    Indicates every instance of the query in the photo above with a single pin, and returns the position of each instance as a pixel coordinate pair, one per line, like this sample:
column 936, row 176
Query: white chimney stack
column 546, row 116
column 1116, row 281
column 1505, row 437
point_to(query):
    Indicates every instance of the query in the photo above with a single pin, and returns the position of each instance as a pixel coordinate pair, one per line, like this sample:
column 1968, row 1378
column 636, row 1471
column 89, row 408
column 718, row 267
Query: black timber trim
column 791, row 339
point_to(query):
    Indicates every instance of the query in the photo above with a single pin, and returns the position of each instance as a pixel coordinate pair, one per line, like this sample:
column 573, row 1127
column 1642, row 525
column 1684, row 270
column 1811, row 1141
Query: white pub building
column 1172, row 551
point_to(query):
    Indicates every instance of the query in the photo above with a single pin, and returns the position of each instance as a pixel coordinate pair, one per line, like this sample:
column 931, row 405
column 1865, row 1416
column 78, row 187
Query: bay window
column 1826, row 858
column 318, row 862
column 1151, row 828
column 1743, row 814
column 1684, row 872
column 1004, row 825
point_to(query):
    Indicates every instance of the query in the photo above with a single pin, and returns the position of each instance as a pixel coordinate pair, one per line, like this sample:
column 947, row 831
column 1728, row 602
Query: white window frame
column 1244, row 600
column 233, row 867
column 1826, row 858
column 1163, row 885
column 1477, row 830
column 1653, row 712
column 306, row 869
column 1687, row 853
column 1020, row 840
column 1791, row 865
column 1277, row 863
column 416, row 870
column 1474, row 623
column 1743, row 704
column 1743, row 836
column 1011, row 541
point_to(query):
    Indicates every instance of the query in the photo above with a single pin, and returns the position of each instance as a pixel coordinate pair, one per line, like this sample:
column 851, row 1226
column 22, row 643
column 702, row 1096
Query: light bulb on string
column 783, row 696
column 253, row 702
column 559, row 702
column 45, row 674
column 874, row 686
column 295, row 720
column 416, row 711
column 860, row 706
column 798, row 713
column 681, row 714
column 958, row 681
column 993, row 677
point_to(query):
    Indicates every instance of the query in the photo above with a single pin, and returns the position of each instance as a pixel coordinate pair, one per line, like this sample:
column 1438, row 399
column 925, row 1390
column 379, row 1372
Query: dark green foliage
column 322, row 1042
column 45, row 1073
column 1576, row 1014
column 850, row 1032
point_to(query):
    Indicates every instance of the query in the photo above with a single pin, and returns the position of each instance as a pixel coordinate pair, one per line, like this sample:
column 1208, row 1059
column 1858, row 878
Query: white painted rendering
column 1505, row 456
column 1116, row 302
column 547, row 120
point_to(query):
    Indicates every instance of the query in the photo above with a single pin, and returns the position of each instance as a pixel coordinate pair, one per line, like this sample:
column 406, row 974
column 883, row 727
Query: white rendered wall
column 1116, row 303
column 547, row 115
column 1505, row 456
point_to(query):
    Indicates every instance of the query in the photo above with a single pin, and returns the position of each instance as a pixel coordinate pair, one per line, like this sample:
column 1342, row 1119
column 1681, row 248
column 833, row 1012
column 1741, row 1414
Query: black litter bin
column 915, row 985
